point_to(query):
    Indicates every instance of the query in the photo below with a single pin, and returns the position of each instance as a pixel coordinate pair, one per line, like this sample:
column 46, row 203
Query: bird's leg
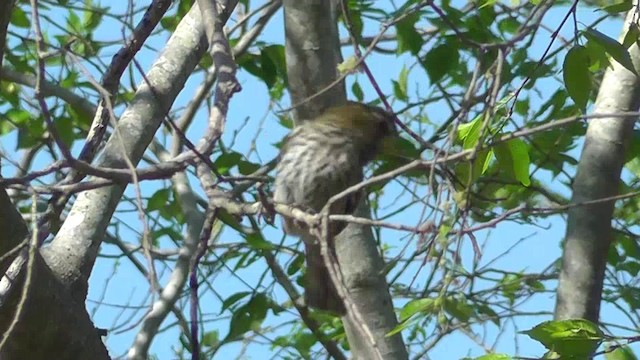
column 267, row 210
column 299, row 223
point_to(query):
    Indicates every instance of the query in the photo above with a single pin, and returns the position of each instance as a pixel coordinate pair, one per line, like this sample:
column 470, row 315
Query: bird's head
column 368, row 126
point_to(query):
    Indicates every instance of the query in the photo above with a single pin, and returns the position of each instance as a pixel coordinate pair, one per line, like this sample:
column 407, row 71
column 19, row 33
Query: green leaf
column 269, row 69
column 211, row 338
column 248, row 317
column 489, row 312
column 631, row 267
column 19, row 18
column 634, row 166
column 417, row 306
column 30, row 134
column 631, row 36
column 509, row 25
column 275, row 53
column 169, row 22
column 65, row 128
column 459, row 309
column 630, row 246
column 158, row 200
column 295, row 265
column 267, row 66
column 443, row 232
column 249, row 62
column 621, row 353
column 172, row 210
column 166, row 231
column 348, row 66
column 241, row 322
column 469, row 173
column 247, row 167
column 487, row 161
column 494, row 357
column 92, row 19
column 509, row 285
column 357, row 91
column 400, row 147
column 18, row 116
column 256, row 241
column 356, row 23
column 577, row 77
column 440, row 60
column 631, row 296
column 634, row 147
column 521, row 161
column 469, row 133
column 285, row 121
column 228, row 302
column 598, row 59
column 616, row 50
column 403, row 78
column 258, row 306
column 73, row 22
column 229, row 220
column 522, row 107
column 10, row 92
column 400, row 86
column 619, row 7
column 484, row 3
column 403, row 325
column 227, row 161
column 513, row 157
column 535, row 285
column 408, row 37
column 424, row 305
column 355, row 20
column 570, row 338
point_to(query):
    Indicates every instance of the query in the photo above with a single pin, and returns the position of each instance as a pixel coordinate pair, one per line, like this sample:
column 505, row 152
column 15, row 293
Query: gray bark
column 52, row 323
column 14, row 230
column 313, row 52
column 62, row 329
column 5, row 15
column 75, row 247
column 589, row 231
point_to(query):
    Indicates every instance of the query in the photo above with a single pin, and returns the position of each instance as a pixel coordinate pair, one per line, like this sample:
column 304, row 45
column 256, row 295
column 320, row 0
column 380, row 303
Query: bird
column 319, row 159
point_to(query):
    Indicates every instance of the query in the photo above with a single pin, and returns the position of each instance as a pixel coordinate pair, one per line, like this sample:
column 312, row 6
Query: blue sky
column 115, row 283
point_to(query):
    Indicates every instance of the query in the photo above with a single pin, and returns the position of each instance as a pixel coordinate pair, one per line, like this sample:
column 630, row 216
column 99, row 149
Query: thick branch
column 14, row 230
column 313, row 53
column 52, row 321
column 589, row 232
column 91, row 213
column 6, row 8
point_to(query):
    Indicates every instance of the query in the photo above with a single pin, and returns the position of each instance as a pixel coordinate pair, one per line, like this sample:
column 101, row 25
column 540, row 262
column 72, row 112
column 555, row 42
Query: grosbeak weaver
column 319, row 159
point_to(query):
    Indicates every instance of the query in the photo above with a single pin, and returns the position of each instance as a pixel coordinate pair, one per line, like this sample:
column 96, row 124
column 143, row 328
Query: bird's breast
column 308, row 174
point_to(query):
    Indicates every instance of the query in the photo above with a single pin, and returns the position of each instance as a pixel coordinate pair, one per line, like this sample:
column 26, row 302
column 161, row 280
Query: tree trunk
column 313, row 52
column 589, row 231
column 62, row 329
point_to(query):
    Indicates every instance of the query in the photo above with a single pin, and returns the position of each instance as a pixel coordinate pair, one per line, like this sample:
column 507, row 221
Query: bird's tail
column 320, row 291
